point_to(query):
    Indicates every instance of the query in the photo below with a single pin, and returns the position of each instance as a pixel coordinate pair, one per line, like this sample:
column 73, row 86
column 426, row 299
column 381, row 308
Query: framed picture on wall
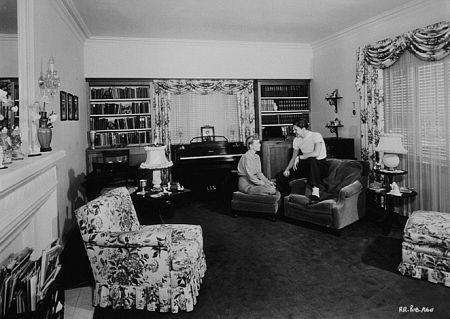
column 70, row 106
column 63, row 105
column 75, row 108
column 207, row 133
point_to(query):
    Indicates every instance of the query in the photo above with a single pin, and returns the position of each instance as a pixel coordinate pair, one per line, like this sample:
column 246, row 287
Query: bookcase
column 279, row 104
column 120, row 113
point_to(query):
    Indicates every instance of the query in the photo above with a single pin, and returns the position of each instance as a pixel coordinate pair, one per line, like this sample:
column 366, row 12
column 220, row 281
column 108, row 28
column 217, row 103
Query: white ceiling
column 300, row 21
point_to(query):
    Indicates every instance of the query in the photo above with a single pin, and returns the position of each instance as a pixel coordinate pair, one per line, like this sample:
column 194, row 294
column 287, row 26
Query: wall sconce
column 50, row 81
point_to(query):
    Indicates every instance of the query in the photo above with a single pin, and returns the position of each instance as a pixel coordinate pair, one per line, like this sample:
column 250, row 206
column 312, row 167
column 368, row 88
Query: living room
column 54, row 28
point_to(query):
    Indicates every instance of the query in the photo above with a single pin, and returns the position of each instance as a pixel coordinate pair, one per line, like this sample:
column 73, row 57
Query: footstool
column 266, row 204
column 426, row 247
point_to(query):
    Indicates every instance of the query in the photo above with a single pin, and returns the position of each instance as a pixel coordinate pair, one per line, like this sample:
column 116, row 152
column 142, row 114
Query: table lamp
column 156, row 160
column 389, row 146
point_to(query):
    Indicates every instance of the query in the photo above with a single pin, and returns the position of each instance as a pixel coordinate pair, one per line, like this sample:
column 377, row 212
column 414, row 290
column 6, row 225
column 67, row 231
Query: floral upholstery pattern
column 426, row 247
column 152, row 267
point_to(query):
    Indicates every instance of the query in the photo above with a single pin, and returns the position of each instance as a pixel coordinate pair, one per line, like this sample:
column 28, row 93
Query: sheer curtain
column 417, row 96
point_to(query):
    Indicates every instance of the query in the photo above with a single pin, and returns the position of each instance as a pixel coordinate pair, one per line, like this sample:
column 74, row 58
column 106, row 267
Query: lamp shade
column 156, row 158
column 390, row 143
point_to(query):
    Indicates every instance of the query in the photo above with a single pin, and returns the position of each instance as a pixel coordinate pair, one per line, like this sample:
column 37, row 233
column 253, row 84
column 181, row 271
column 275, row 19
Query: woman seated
column 251, row 179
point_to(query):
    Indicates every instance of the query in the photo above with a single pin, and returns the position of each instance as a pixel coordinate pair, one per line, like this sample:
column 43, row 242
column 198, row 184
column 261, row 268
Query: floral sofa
column 152, row 267
column 426, row 247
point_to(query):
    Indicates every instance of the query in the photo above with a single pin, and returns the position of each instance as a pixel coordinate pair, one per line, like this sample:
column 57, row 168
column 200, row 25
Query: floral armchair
column 153, row 267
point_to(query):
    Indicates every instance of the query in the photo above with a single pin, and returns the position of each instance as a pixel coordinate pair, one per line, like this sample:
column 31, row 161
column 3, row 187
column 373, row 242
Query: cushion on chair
column 426, row 247
column 264, row 199
column 428, row 227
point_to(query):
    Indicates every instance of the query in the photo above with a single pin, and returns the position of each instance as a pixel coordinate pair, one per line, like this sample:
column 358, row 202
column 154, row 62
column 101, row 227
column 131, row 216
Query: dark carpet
column 263, row 269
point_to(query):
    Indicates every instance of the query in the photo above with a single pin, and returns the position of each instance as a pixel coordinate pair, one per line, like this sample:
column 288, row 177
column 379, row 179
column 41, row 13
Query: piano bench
column 266, row 204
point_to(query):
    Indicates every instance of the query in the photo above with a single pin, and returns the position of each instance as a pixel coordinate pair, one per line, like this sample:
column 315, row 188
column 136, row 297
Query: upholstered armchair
column 152, row 267
column 342, row 196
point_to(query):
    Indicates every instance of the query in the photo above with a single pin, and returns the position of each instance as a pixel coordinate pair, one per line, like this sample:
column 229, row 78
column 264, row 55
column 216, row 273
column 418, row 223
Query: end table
column 391, row 200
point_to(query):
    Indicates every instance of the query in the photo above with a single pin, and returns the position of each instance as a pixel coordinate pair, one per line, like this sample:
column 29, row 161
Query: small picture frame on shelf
column 75, row 108
column 207, row 133
column 63, row 105
column 70, row 106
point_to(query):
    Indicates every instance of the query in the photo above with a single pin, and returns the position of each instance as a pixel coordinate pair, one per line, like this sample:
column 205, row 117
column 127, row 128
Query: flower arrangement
column 44, row 120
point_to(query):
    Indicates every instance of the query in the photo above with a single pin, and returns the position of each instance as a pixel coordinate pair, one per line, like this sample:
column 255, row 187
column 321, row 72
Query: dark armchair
column 342, row 196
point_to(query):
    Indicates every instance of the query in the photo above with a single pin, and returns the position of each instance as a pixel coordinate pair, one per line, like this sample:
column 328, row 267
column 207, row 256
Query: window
column 191, row 111
column 417, row 95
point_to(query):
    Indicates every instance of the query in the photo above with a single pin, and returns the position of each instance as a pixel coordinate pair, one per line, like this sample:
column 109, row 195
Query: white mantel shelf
column 28, row 203
column 19, row 172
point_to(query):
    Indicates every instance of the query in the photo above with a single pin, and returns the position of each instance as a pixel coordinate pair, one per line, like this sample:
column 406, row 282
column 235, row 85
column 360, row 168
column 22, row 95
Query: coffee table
column 156, row 201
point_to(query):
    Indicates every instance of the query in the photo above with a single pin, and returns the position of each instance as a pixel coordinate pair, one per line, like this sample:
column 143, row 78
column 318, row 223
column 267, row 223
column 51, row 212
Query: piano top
column 209, row 149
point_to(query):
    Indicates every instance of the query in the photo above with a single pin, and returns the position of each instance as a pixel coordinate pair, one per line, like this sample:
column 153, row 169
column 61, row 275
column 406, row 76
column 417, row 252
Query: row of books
column 120, row 108
column 121, row 138
column 284, row 105
column 119, row 93
column 122, row 123
column 282, row 118
column 25, row 282
column 284, row 90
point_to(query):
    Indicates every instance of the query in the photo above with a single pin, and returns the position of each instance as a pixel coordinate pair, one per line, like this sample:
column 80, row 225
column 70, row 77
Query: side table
column 391, row 200
column 156, row 202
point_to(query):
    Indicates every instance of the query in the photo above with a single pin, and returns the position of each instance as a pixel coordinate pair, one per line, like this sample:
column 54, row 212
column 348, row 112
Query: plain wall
column 153, row 58
column 334, row 65
column 55, row 36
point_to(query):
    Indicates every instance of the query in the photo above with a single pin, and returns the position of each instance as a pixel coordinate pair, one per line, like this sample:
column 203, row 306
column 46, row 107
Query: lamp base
column 391, row 161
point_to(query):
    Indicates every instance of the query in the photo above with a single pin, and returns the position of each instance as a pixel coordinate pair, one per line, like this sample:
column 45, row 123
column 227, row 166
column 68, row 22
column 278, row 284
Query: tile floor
column 78, row 303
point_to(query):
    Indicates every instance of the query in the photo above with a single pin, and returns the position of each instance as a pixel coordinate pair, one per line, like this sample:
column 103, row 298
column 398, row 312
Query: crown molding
column 9, row 37
column 206, row 43
column 372, row 22
column 72, row 18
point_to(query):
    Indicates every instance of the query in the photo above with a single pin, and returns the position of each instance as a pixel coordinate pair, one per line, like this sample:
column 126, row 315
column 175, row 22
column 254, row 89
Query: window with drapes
column 191, row 111
column 417, row 101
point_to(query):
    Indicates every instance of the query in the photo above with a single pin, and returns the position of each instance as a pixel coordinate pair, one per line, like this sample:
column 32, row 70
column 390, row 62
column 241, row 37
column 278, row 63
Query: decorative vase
column 44, row 134
column 92, row 139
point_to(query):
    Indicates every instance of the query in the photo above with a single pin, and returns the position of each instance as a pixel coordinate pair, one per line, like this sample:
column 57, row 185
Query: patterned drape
column 243, row 89
column 430, row 43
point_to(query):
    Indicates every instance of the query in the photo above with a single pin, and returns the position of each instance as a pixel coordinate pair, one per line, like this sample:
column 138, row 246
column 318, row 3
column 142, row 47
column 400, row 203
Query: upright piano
column 206, row 165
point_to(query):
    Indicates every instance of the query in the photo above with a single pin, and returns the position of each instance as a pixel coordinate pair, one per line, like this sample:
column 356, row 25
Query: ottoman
column 426, row 247
column 266, row 204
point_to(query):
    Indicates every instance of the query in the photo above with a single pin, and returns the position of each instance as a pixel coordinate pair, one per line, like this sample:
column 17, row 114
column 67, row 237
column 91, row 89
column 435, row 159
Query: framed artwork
column 75, row 108
column 207, row 133
column 63, row 105
column 70, row 106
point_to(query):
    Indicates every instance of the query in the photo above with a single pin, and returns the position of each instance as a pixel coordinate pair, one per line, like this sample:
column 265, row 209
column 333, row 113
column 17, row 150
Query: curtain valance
column 203, row 86
column 430, row 43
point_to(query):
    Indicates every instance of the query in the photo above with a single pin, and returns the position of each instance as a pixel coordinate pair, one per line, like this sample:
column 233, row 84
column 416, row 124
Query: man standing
column 308, row 160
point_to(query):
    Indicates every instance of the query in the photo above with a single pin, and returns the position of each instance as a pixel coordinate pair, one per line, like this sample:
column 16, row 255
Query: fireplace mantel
column 28, row 203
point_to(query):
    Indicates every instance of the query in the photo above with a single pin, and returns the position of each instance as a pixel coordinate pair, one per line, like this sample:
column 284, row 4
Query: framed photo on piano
column 207, row 133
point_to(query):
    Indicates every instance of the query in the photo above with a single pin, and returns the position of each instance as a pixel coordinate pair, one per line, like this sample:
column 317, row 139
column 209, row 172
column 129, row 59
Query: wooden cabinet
column 340, row 147
column 120, row 113
column 275, row 156
column 279, row 104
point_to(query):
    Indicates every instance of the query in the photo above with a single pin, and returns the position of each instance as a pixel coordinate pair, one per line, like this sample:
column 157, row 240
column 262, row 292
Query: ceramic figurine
column 1, row 158
column 16, row 142
column 395, row 190
column 5, row 142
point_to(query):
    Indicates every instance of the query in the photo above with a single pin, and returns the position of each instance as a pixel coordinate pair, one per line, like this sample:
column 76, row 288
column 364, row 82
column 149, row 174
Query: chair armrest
column 350, row 190
column 298, row 186
column 147, row 236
